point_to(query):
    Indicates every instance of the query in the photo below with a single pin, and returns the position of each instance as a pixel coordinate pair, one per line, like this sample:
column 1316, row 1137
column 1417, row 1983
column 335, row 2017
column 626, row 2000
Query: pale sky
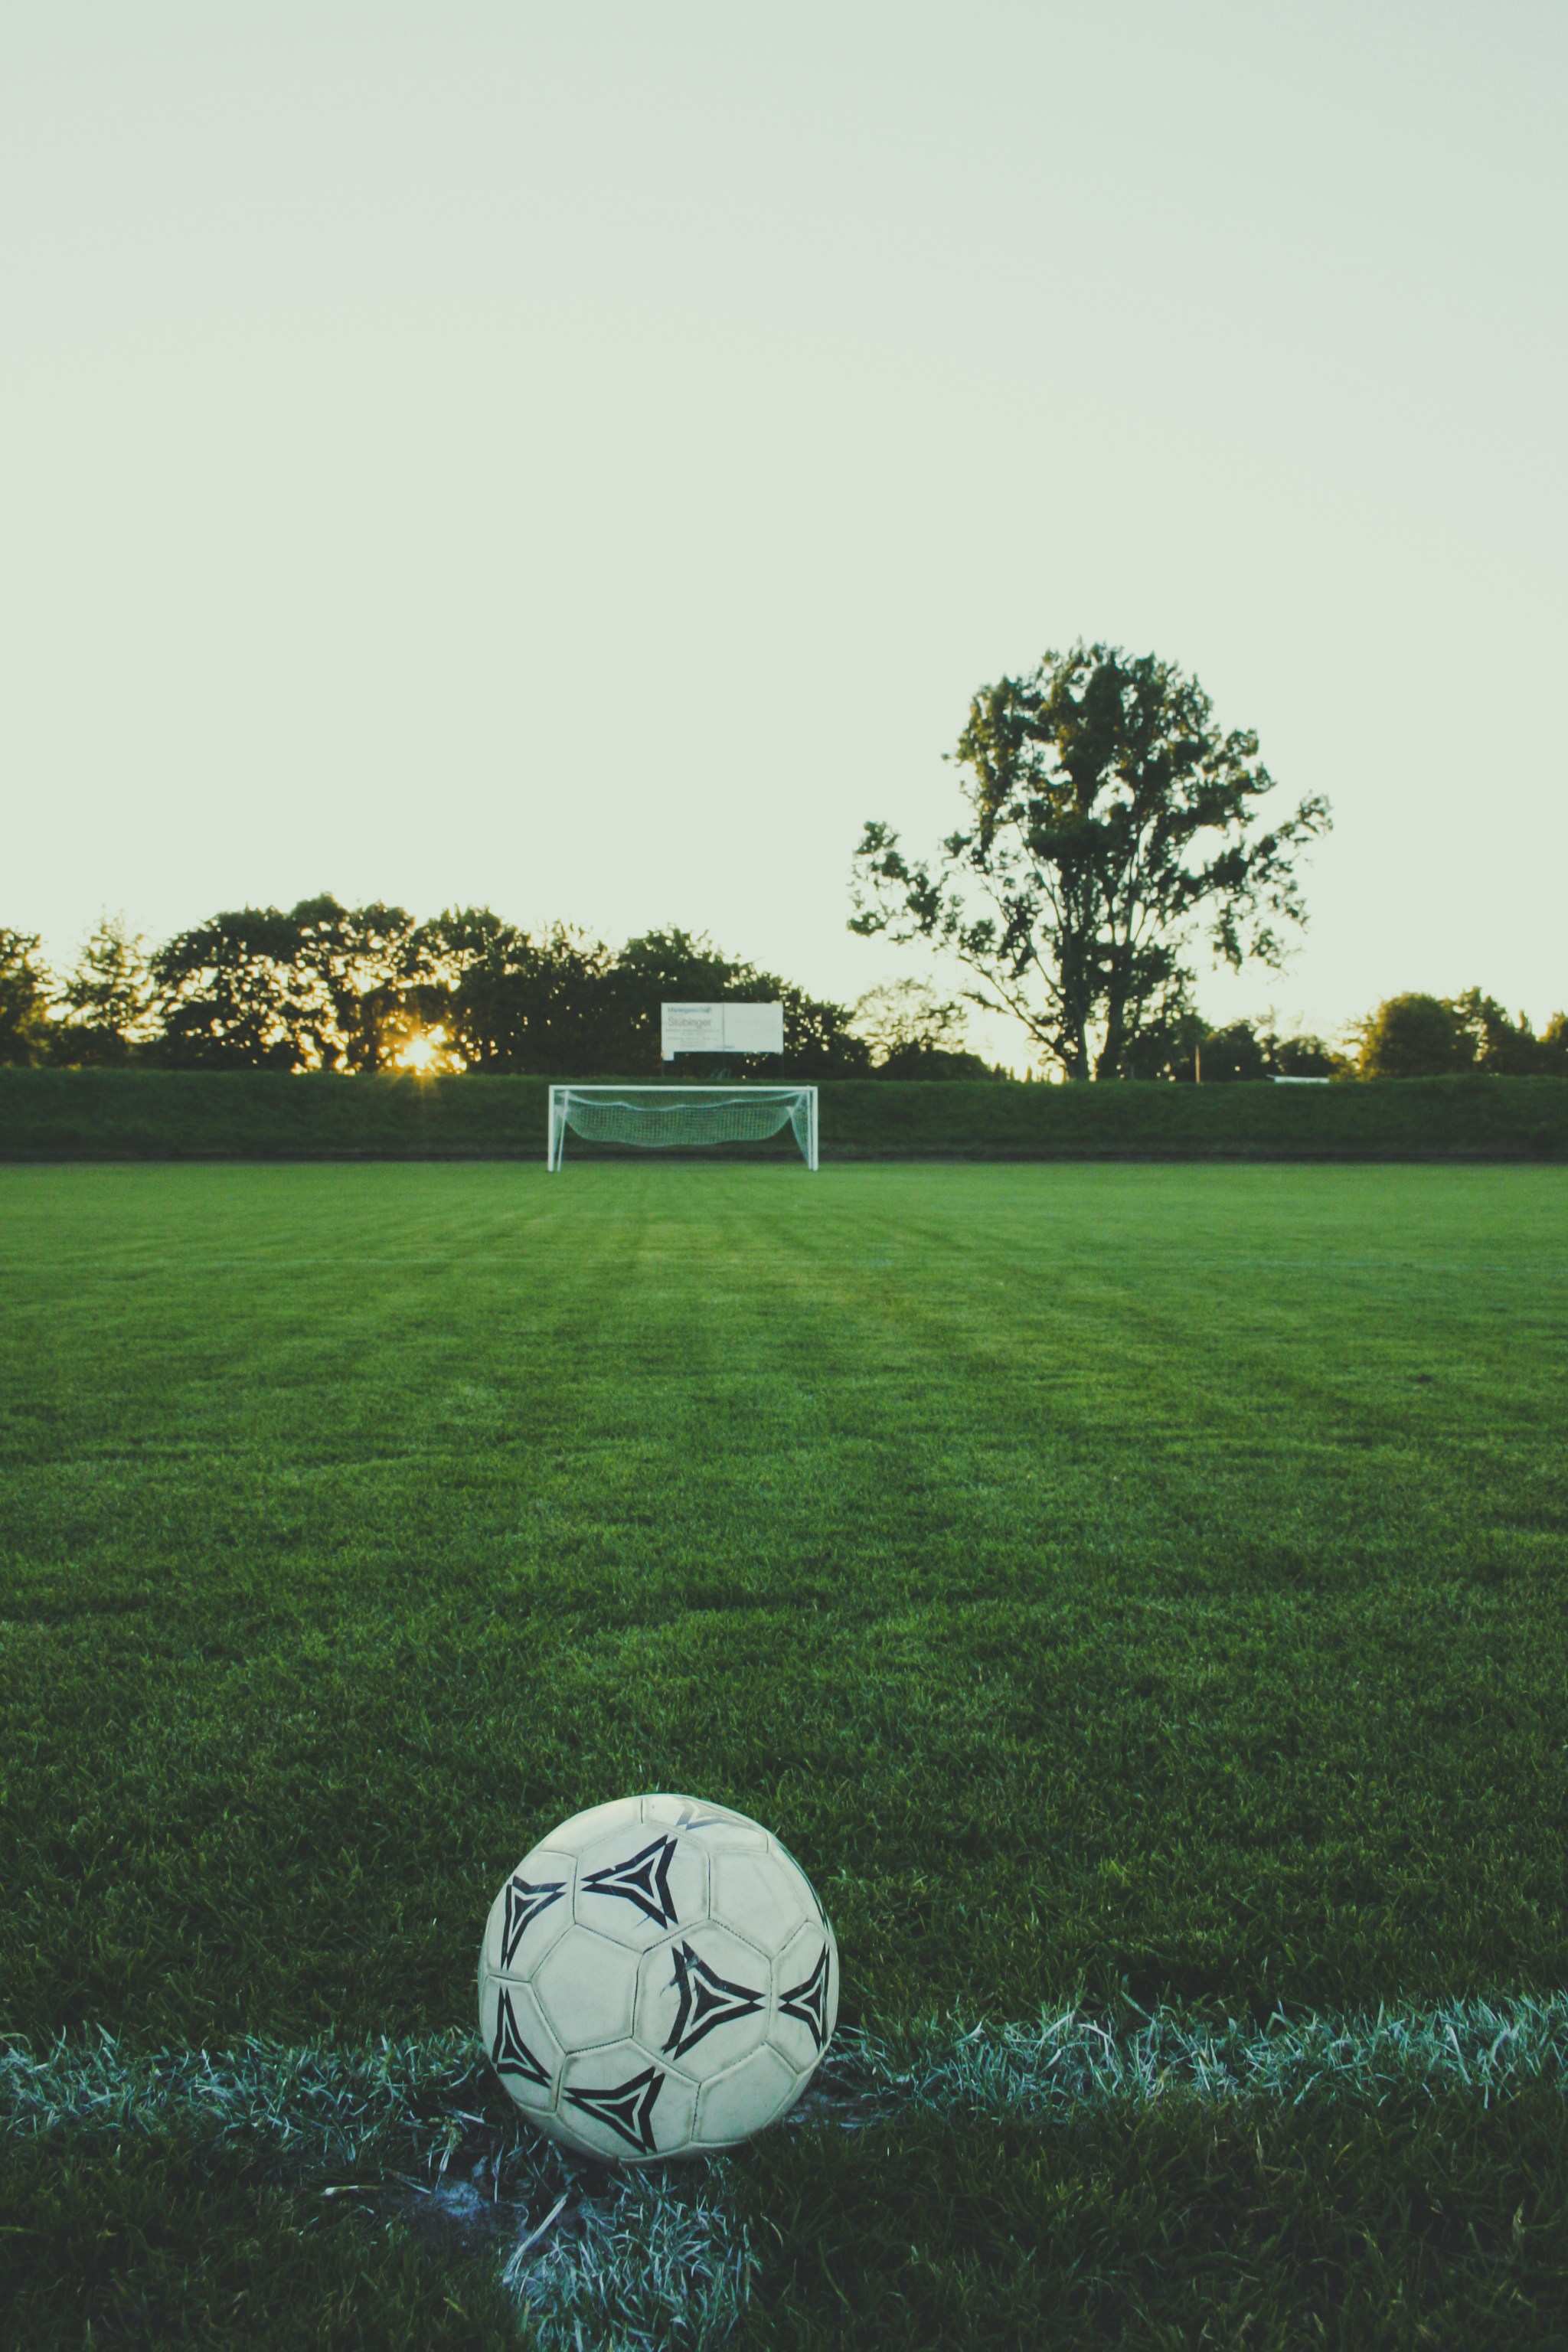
column 583, row 459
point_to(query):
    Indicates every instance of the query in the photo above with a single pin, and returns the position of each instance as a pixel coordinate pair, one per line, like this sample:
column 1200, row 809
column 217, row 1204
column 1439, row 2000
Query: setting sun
column 425, row 1052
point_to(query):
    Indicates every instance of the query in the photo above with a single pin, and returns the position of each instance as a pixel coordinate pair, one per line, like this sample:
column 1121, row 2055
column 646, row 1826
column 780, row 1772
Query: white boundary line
column 326, row 2099
column 663, row 2258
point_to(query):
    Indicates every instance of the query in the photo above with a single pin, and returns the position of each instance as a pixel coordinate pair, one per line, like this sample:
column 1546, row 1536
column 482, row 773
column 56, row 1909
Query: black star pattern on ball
column 808, row 2000
column 643, row 1880
column 510, row 2054
column 627, row 2107
column 524, row 1901
column 705, row 1999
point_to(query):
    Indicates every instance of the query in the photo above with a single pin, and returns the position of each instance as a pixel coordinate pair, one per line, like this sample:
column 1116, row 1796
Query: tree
column 1108, row 819
column 107, row 998
column 1554, row 1045
column 25, row 991
column 1237, row 1051
column 915, row 1033
column 676, row 967
column 908, row 1015
column 1414, row 1036
column 1169, row 1044
column 350, row 974
column 223, row 997
column 510, row 1001
column 318, row 988
column 1500, row 1047
column 1420, row 1037
column 819, row 1041
column 1304, row 1057
column 1190, row 1049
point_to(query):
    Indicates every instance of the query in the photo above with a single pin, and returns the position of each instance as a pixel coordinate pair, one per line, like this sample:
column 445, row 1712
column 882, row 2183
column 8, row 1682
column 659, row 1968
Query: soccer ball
column 657, row 1979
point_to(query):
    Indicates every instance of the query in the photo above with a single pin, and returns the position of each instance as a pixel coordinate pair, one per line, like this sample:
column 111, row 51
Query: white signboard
column 720, row 1029
column 752, row 1028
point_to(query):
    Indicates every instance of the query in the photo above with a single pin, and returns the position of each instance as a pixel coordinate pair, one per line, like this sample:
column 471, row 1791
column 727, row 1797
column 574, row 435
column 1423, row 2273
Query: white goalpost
column 666, row 1118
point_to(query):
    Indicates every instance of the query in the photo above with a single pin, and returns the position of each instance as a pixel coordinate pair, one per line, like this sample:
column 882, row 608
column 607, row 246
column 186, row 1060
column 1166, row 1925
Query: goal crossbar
column 665, row 1118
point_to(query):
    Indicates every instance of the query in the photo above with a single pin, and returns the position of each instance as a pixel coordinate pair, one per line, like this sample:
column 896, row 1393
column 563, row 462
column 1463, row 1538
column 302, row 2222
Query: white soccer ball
column 657, row 1979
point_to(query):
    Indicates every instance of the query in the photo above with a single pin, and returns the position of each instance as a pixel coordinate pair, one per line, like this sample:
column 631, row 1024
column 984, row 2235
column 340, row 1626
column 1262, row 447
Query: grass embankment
column 265, row 1115
column 1125, row 1582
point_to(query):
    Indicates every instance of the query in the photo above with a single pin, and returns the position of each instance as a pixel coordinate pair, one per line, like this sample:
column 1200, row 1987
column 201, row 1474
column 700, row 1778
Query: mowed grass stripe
column 1103, row 1577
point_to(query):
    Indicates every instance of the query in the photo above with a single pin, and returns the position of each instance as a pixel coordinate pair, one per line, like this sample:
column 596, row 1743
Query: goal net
column 662, row 1118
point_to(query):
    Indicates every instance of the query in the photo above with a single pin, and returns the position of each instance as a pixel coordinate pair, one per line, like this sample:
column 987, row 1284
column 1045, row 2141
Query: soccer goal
column 665, row 1118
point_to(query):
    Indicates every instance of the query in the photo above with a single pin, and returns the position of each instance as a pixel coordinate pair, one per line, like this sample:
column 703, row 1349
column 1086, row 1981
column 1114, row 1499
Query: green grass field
column 1131, row 1590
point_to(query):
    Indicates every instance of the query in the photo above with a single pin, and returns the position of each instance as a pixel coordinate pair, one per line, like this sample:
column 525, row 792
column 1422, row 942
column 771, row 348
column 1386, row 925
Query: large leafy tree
column 223, row 992
column 353, row 968
column 1109, row 824
column 320, row 987
column 510, row 999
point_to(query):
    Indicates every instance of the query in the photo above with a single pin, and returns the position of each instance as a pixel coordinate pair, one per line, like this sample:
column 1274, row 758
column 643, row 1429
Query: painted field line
column 331, row 2104
column 1073, row 2062
column 663, row 2260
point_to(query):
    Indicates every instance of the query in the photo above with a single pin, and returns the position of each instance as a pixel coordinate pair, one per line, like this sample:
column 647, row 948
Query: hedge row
column 265, row 1115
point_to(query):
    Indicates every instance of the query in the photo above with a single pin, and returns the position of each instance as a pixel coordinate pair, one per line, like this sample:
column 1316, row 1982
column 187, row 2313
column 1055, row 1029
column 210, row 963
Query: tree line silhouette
column 324, row 986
